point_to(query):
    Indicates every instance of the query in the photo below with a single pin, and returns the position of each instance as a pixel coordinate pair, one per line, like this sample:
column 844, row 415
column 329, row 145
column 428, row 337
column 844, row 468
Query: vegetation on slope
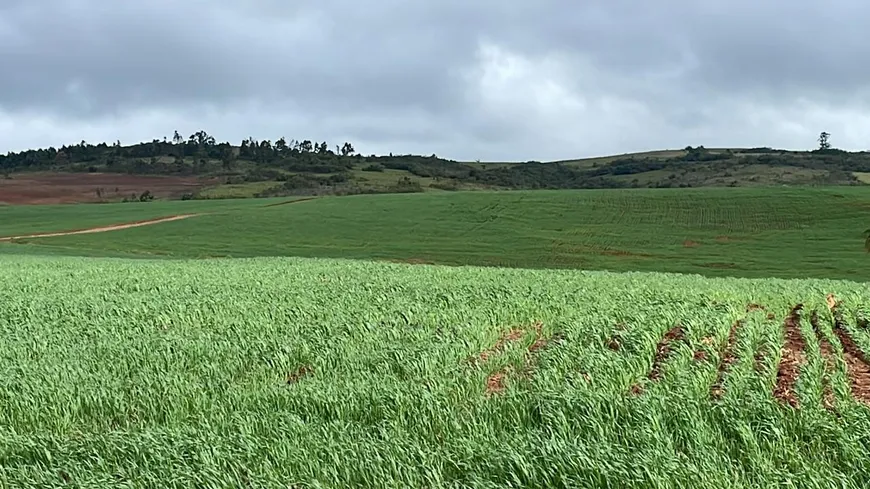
column 309, row 168
column 743, row 232
column 316, row 373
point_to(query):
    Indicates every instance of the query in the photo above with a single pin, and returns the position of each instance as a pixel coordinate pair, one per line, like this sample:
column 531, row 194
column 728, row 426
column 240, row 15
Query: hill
column 284, row 372
column 743, row 232
column 200, row 168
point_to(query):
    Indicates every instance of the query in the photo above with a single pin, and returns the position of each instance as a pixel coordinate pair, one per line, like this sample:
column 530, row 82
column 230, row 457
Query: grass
column 744, row 232
column 29, row 219
column 287, row 372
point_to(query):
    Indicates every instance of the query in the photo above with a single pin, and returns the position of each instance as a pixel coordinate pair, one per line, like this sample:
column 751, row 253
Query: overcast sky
column 482, row 79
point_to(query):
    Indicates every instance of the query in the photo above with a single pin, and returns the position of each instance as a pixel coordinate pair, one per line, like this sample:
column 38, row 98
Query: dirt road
column 102, row 229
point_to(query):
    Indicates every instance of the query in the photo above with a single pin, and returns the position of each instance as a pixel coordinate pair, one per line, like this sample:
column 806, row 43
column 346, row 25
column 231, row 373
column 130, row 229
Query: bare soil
column 102, row 229
column 495, row 382
column 663, row 351
column 857, row 363
column 507, row 337
column 728, row 359
column 67, row 188
column 793, row 358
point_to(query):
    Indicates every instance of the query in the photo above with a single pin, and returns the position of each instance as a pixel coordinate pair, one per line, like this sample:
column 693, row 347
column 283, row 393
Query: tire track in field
column 857, row 363
column 727, row 360
column 286, row 202
column 103, row 229
column 662, row 353
column 827, row 350
column 495, row 381
column 793, row 358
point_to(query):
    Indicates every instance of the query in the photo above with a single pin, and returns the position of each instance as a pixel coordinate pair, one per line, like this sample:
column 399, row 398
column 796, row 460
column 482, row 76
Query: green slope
column 718, row 232
column 276, row 373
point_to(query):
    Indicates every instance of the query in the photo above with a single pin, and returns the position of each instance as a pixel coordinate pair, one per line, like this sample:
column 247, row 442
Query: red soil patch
column 723, row 239
column 613, row 344
column 663, row 351
column 690, row 244
column 507, row 337
column 828, row 356
column 857, row 363
column 495, row 382
column 727, row 361
column 792, row 359
column 303, row 199
column 754, row 307
column 65, row 188
column 102, row 229
column 699, row 356
column 300, row 372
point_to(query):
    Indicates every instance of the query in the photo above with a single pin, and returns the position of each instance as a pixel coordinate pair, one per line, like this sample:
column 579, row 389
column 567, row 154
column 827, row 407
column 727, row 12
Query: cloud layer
column 485, row 80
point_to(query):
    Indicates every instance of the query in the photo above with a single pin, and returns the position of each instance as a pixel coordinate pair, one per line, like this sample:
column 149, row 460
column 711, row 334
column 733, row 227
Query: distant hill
column 201, row 168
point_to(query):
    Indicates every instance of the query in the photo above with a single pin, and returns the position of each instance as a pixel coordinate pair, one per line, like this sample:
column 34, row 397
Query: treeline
column 307, row 166
column 199, row 153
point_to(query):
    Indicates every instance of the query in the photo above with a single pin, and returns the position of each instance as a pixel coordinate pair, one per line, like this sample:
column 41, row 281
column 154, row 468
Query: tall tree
column 824, row 140
column 177, row 139
column 347, row 149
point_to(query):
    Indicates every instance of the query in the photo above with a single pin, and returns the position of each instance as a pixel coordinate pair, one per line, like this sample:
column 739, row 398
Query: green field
column 310, row 361
column 274, row 371
column 771, row 232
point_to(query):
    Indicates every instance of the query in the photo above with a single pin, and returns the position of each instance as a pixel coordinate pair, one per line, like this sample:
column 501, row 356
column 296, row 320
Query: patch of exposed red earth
column 495, row 382
column 64, row 188
column 728, row 359
column 754, row 307
column 856, row 360
column 793, row 358
column 499, row 346
column 828, row 355
column 663, row 352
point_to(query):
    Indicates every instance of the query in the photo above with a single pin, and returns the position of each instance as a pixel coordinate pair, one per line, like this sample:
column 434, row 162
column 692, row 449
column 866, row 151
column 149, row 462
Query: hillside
column 743, row 232
column 200, row 168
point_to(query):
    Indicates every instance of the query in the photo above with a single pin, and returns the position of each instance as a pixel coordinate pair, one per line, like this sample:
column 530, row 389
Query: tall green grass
column 135, row 373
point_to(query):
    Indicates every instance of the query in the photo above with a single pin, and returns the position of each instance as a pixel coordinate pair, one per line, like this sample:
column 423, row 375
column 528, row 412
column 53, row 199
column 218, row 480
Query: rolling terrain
column 200, row 168
column 292, row 372
column 743, row 232
column 435, row 338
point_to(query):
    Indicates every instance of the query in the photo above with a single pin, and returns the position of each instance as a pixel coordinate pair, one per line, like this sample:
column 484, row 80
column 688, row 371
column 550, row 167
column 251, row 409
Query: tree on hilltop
column 824, row 140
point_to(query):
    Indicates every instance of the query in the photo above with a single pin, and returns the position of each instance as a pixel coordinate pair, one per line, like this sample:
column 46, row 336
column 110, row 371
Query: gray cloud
column 488, row 79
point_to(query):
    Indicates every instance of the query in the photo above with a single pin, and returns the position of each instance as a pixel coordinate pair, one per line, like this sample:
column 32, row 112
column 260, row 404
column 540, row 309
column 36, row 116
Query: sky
column 492, row 80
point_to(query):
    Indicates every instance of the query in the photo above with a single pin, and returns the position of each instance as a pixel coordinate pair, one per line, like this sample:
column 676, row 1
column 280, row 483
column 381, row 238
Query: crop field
column 773, row 232
column 300, row 372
